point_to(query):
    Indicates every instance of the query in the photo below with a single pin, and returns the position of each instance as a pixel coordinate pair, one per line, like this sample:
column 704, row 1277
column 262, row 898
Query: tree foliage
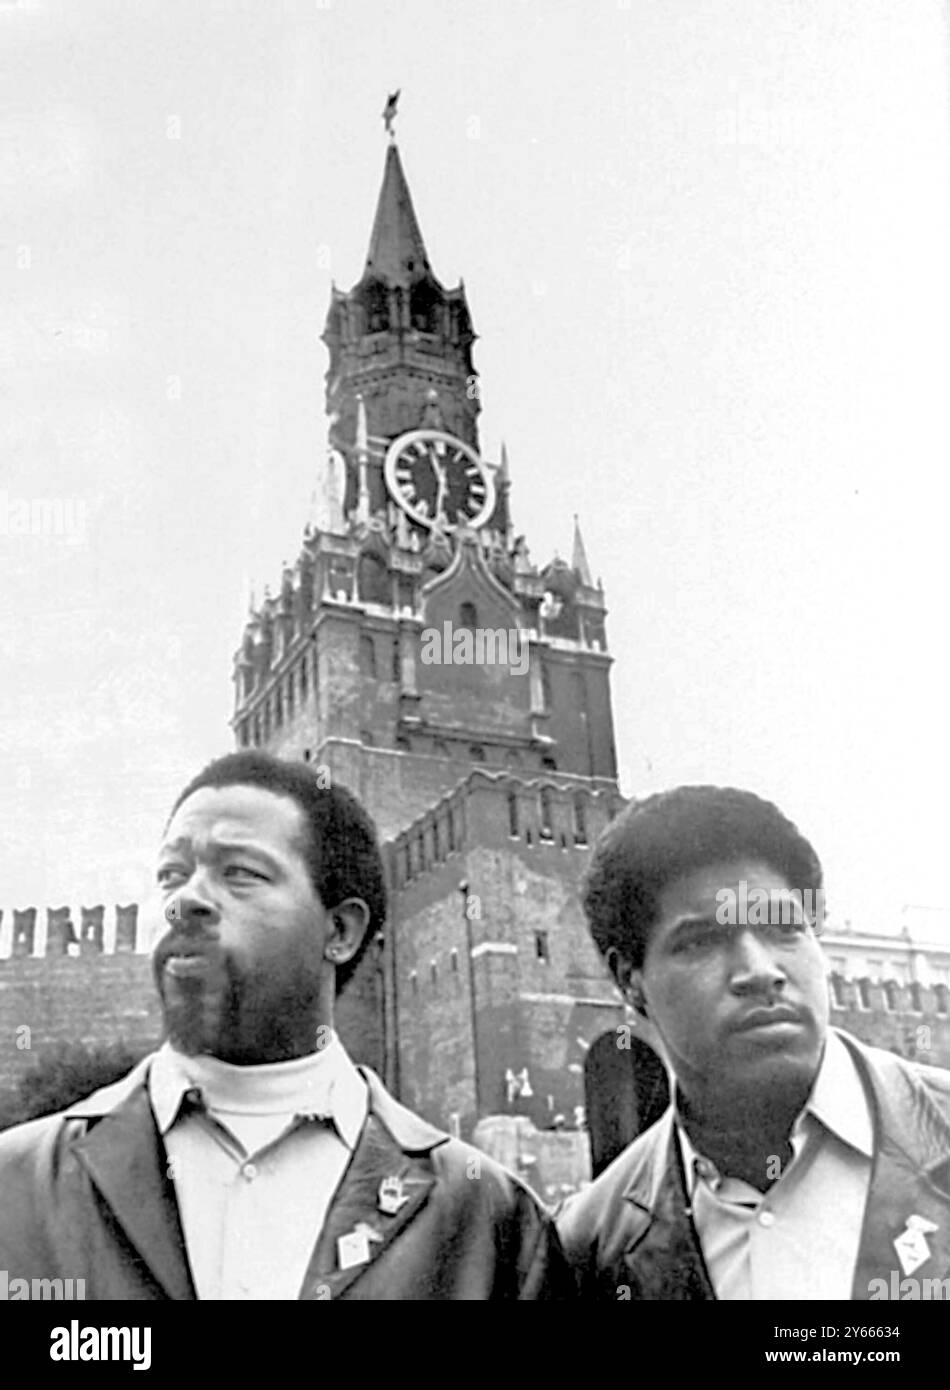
column 63, row 1074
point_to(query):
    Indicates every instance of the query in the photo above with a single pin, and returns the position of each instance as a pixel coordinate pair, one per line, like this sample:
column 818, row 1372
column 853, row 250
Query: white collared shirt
column 256, row 1154
column 800, row 1239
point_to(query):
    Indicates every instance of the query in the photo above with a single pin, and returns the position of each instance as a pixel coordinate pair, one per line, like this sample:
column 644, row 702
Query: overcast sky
column 705, row 249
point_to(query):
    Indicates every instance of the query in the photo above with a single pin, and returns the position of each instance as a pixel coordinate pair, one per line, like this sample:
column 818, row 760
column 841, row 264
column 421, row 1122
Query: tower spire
column 579, row 556
column 397, row 252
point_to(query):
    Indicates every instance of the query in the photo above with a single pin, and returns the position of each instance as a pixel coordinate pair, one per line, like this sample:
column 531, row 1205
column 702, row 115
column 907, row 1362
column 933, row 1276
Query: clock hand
column 440, row 516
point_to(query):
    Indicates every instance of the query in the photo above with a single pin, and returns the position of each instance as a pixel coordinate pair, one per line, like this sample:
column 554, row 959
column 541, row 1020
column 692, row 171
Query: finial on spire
column 389, row 112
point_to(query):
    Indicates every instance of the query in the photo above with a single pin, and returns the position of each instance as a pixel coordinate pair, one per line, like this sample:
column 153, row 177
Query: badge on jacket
column 392, row 1196
column 911, row 1245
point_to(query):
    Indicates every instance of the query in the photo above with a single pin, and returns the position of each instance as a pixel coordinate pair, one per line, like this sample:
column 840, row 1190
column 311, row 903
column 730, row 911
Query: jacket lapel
column 394, row 1143
column 124, row 1156
column 663, row 1255
column 910, row 1179
column 356, row 1205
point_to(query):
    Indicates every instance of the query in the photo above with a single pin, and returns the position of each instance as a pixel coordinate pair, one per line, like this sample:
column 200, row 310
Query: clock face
column 439, row 481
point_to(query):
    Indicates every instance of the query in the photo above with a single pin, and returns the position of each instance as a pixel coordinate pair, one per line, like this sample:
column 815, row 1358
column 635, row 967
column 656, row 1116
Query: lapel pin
column 352, row 1249
column 911, row 1245
column 392, row 1196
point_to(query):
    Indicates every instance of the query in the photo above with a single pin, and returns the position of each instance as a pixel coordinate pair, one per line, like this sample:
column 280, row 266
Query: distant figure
column 793, row 1162
column 249, row 1158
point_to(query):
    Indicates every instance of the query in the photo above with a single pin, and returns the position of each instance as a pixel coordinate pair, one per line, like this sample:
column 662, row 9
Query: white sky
column 706, row 251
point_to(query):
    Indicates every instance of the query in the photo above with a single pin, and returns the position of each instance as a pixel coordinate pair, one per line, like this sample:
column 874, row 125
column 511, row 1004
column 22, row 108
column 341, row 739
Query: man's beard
column 201, row 1016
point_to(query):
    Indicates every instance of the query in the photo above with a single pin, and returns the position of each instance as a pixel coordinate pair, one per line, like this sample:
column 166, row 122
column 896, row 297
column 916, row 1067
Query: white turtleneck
column 256, row 1154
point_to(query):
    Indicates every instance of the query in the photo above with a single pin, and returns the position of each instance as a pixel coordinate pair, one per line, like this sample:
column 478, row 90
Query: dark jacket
column 85, row 1195
column 630, row 1234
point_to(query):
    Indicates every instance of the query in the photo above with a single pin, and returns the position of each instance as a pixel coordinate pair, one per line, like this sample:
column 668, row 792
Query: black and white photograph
column 473, row 609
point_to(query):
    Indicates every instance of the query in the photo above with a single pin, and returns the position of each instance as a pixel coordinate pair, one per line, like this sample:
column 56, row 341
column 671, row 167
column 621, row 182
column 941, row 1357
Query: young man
column 793, row 1162
column 249, row 1158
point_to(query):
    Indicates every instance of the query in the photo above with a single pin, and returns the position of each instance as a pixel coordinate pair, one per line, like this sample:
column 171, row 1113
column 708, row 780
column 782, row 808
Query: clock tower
column 414, row 638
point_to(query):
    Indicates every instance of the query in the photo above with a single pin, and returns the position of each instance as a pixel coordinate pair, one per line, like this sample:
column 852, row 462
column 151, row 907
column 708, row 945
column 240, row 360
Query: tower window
column 423, row 307
column 837, row 991
column 941, row 992
column 376, row 302
column 864, row 993
column 549, row 763
column 891, row 1000
column 580, row 820
column 373, row 579
column 546, row 692
column 476, row 752
column 402, row 743
column 414, row 982
column 916, row 1001
column 541, row 947
column 433, row 973
column 397, row 661
column 547, row 830
column 468, row 615
column 367, row 657
column 303, row 679
column 513, row 813
column 278, row 710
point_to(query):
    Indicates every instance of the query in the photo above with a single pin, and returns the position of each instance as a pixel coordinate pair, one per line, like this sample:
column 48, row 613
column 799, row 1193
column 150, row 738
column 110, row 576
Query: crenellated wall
column 90, row 981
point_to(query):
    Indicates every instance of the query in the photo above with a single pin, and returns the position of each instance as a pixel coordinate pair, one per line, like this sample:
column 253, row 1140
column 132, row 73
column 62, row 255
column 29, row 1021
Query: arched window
column 916, row 1000
column 891, row 997
column 367, row 657
column 580, row 819
column 476, row 752
column 837, row 991
column 547, row 824
column 864, row 993
column 373, row 579
column 278, row 710
column 424, row 307
column 941, row 992
column 376, row 304
column 513, row 813
column 397, row 661
column 468, row 615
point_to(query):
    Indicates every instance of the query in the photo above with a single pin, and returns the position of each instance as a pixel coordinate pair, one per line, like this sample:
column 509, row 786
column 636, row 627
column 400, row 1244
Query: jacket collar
column 123, row 1153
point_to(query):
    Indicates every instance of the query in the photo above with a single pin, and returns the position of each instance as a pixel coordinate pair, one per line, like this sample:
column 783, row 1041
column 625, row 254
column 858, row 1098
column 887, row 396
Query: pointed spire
column 504, row 476
column 579, row 556
column 396, row 249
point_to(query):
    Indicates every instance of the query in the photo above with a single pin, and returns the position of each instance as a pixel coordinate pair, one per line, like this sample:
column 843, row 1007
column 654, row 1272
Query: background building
column 416, row 653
